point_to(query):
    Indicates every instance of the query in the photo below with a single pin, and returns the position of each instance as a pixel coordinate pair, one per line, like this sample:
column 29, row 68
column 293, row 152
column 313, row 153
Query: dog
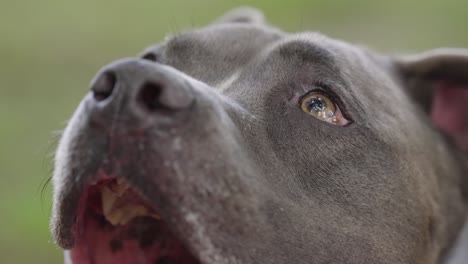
column 241, row 143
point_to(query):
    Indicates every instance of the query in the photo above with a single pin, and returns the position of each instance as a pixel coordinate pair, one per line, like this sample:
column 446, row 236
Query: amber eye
column 323, row 108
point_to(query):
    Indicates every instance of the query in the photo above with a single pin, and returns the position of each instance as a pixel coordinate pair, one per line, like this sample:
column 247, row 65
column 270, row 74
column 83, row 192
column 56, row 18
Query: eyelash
column 324, row 89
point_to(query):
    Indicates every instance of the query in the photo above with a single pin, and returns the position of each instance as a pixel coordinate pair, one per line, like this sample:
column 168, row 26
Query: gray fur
column 257, row 180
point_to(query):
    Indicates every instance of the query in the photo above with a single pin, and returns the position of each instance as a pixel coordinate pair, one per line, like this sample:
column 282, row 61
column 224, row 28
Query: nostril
column 103, row 86
column 150, row 56
column 150, row 96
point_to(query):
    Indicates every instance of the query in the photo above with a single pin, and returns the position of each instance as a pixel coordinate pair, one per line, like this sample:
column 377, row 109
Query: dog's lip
column 65, row 216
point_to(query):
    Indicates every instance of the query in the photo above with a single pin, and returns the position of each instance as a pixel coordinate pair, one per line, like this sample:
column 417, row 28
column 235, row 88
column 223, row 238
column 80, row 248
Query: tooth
column 123, row 215
column 108, row 199
column 115, row 210
column 155, row 216
column 126, row 215
column 120, row 180
column 131, row 212
column 120, row 187
column 114, row 217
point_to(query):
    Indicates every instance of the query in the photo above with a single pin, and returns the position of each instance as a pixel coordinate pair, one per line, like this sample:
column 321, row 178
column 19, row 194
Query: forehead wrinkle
column 310, row 55
column 307, row 49
column 313, row 52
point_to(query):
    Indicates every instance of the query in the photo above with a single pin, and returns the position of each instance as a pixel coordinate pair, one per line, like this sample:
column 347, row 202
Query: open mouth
column 115, row 224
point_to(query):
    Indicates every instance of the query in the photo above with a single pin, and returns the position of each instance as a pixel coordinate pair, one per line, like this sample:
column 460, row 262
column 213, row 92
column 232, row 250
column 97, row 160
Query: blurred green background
column 49, row 50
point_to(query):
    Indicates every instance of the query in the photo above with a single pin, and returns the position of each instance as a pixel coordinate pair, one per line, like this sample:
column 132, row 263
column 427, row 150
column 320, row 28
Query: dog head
column 241, row 143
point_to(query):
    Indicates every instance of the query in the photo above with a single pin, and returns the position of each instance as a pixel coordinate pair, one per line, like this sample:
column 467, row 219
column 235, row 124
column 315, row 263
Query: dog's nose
column 140, row 86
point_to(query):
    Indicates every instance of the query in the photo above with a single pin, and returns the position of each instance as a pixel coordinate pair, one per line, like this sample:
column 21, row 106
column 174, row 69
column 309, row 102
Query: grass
column 49, row 50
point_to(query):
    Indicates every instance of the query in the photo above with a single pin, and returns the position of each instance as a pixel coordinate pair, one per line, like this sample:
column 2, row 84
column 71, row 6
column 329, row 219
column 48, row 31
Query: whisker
column 47, row 162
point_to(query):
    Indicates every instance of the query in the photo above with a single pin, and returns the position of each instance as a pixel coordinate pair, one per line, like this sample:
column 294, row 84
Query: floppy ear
column 438, row 80
column 242, row 15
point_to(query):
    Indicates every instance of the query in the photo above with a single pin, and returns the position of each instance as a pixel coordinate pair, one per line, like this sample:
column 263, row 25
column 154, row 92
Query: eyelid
column 324, row 89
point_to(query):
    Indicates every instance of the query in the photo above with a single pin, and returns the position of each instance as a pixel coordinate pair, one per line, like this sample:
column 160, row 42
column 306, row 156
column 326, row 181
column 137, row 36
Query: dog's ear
column 438, row 81
column 242, row 15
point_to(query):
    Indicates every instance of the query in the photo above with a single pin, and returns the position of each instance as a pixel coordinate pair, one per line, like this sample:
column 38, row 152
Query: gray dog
column 241, row 143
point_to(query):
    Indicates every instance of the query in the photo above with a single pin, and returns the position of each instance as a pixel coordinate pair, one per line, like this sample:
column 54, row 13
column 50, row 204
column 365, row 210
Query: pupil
column 317, row 105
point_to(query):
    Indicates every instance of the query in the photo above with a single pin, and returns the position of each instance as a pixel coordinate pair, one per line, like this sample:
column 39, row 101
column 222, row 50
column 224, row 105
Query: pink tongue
column 100, row 246
column 450, row 111
column 103, row 244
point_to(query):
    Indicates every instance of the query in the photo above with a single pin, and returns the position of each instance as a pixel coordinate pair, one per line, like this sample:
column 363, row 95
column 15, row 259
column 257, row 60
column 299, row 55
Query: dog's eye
column 323, row 108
